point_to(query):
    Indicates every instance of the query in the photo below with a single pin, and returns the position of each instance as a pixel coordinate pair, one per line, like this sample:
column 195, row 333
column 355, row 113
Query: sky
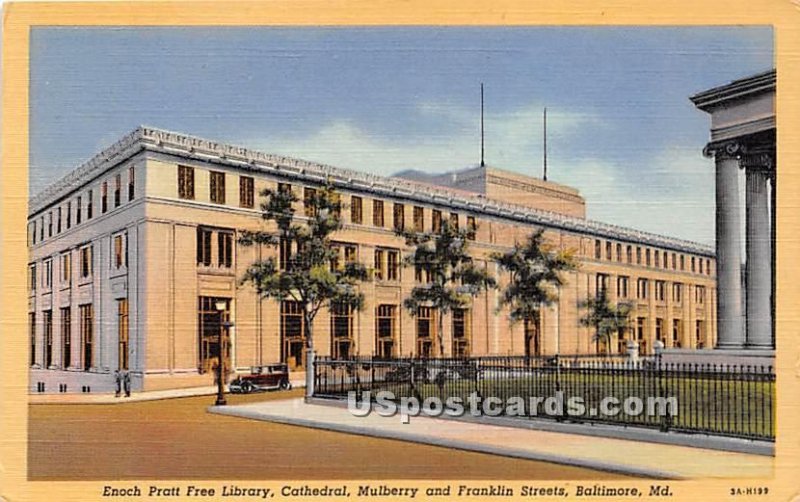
column 620, row 126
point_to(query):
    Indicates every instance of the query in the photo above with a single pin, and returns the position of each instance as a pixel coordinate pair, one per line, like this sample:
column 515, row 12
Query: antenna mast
column 544, row 134
column 482, row 163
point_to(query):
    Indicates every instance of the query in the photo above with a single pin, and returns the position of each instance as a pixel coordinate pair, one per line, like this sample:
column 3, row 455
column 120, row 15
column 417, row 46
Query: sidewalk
column 617, row 455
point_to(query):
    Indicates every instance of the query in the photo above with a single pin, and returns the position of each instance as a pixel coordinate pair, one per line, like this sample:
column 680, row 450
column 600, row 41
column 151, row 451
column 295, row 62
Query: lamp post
column 220, row 306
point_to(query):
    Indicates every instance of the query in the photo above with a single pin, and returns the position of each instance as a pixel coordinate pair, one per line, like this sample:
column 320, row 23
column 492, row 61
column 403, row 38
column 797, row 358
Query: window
column 608, row 250
column 50, row 224
column 601, row 284
column 399, row 216
column 204, row 247
column 674, row 261
column 350, row 252
column 656, row 261
column 122, row 333
column 47, row 331
column 120, row 255
column 699, row 334
column 356, row 210
column 638, row 255
column 436, row 221
column 619, row 252
column 700, row 262
column 211, row 333
column 419, row 219
column 378, row 263
column 472, row 228
column 641, row 289
column 284, row 188
column 86, row 261
column 78, row 211
column 32, row 278
column 66, row 337
column 385, row 330
column 426, row 331
column 89, row 205
column 629, row 253
column 660, row 329
column 309, row 202
column 246, row 191
column 677, row 292
column 32, row 232
column 186, row 182
column 131, row 184
column 676, row 333
column 622, row 286
column 47, row 276
column 87, row 336
column 693, row 264
column 640, row 323
column 454, row 221
column 683, row 263
column 598, row 249
column 41, row 229
column 341, row 330
column 392, row 265
column 700, row 294
column 58, row 220
column 377, row 213
column 285, row 254
column 708, row 267
column 225, row 249
column 32, row 335
column 293, row 334
column 660, row 291
column 104, row 197
column 461, row 332
column 117, row 190
column 69, row 215
column 217, row 187
column 647, row 257
column 66, row 268
column 419, row 271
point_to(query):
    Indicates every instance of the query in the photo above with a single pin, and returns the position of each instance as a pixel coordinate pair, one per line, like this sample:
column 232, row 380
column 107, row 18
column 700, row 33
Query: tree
column 536, row 274
column 451, row 279
column 307, row 271
column 604, row 317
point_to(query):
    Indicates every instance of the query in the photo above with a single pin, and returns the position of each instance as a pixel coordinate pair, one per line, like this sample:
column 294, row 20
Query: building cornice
column 738, row 89
column 181, row 145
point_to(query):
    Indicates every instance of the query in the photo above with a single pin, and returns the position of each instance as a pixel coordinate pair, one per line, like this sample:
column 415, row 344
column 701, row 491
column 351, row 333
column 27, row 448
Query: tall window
column 619, row 252
column 708, row 267
column 377, row 213
column 693, row 264
column 86, row 261
column 676, row 333
column 622, row 286
column 601, row 284
column 419, row 219
column 186, row 182
column 674, row 261
column 122, row 333
column 32, row 335
column 436, row 221
column 58, row 220
column 32, row 278
column 119, row 251
column 285, row 254
column 641, row 289
column 345, row 253
column 598, row 249
column 472, row 228
column 700, row 261
column 656, row 260
column 50, row 224
column 41, row 229
column 69, row 214
column 117, row 190
column 309, row 201
column 89, row 205
column 399, row 216
column 131, row 184
column 78, row 211
column 204, row 247
column 661, row 291
column 629, row 254
column 608, row 250
column 66, row 337
column 660, row 329
column 293, row 334
column 356, row 210
column 647, row 257
column 87, row 336
column 284, row 188
column 47, row 331
column 225, row 249
column 392, row 265
column 461, row 332
column 699, row 334
column 217, row 187
column 341, row 330
column 47, row 275
column 699, row 294
column 426, row 331
column 638, row 255
column 210, row 332
column 379, row 264
column 677, row 292
column 246, row 191
column 385, row 329
column 454, row 221
column 104, row 197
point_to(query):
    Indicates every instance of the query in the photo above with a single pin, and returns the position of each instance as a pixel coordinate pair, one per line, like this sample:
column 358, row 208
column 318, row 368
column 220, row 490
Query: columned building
column 134, row 264
column 743, row 139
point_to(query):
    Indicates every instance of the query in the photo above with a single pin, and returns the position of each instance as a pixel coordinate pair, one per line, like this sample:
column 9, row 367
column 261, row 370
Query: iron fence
column 725, row 400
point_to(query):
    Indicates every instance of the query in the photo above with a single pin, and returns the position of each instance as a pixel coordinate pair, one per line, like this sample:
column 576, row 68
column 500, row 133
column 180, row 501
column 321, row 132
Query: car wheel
column 285, row 385
column 247, row 388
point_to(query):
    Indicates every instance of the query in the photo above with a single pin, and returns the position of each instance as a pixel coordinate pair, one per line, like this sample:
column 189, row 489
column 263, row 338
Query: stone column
column 730, row 326
column 759, row 251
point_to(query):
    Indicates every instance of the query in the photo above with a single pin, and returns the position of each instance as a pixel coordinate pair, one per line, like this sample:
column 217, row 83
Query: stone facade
column 161, row 254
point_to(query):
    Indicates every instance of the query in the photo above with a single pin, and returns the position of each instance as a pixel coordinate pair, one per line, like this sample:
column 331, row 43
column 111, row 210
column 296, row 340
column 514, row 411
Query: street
column 177, row 439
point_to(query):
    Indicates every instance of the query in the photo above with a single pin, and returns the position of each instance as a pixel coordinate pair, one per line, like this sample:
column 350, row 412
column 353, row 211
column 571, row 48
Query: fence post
column 632, row 348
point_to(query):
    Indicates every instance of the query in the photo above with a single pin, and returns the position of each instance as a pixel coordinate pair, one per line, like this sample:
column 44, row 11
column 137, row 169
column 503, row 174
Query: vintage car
column 269, row 377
